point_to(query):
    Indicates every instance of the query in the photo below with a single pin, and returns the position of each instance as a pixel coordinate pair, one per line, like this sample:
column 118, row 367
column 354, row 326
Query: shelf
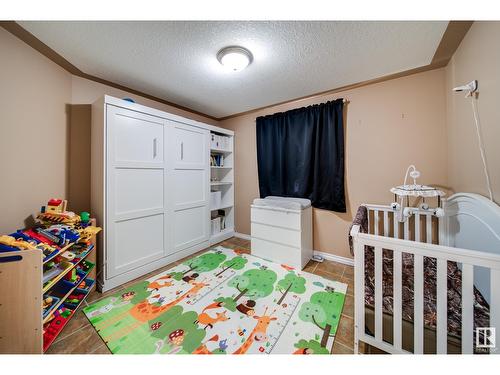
column 222, row 235
column 46, row 345
column 61, row 250
column 59, row 276
column 222, row 207
column 220, row 150
column 217, row 167
column 63, row 298
column 220, row 183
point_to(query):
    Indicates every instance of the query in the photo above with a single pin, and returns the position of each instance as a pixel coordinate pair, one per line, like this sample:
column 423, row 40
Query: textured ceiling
column 176, row 60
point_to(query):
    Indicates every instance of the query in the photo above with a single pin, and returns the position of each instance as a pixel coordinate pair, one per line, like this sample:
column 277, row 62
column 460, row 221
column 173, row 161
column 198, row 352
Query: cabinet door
column 136, row 215
column 190, row 185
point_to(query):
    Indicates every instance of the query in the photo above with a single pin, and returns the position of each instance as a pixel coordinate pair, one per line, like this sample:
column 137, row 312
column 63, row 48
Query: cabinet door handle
column 182, row 150
column 155, row 148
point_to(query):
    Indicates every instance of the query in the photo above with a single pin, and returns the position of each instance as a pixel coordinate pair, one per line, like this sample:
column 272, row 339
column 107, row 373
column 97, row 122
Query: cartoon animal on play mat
column 191, row 277
column 143, row 312
column 258, row 334
column 247, row 307
column 161, row 282
column 208, row 321
column 124, row 300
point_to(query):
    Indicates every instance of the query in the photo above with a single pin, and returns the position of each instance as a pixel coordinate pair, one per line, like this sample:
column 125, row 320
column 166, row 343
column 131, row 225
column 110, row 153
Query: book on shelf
column 216, row 160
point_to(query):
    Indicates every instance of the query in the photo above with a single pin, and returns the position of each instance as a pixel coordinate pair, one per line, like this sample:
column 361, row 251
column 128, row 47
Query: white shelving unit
column 222, row 180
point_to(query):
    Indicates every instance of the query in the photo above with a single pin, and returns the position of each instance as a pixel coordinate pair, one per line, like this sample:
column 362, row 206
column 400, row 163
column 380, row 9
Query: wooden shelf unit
column 21, row 293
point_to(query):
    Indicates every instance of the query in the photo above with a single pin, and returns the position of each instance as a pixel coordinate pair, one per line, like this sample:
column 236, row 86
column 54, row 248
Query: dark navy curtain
column 300, row 153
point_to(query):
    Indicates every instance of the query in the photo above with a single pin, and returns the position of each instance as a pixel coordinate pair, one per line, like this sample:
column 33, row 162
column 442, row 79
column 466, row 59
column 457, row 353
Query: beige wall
column 34, row 94
column 477, row 57
column 45, row 132
column 389, row 125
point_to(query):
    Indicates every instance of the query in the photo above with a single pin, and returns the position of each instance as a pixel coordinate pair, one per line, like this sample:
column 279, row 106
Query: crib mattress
column 481, row 307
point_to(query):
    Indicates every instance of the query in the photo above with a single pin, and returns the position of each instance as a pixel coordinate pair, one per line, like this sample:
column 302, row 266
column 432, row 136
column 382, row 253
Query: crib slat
column 418, row 319
column 428, row 231
column 386, row 223
column 378, row 293
column 397, row 307
column 396, row 225
column 467, row 308
column 375, row 222
column 417, row 227
column 406, row 229
column 359, row 294
column 442, row 307
column 495, row 307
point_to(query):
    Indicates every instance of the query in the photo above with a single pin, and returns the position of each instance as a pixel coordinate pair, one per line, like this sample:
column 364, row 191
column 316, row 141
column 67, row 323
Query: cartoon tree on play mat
column 176, row 329
column 236, row 263
column 254, row 283
column 323, row 310
column 204, row 263
column 140, row 292
column 290, row 283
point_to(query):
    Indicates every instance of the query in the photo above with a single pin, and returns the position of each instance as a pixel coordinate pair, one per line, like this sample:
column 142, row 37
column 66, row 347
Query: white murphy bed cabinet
column 150, row 188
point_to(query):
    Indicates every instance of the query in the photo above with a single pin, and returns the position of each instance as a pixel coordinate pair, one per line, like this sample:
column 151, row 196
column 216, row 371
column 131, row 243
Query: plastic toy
column 84, row 266
column 63, row 234
column 12, row 244
column 85, row 217
column 47, row 302
column 34, row 235
column 56, row 205
column 71, row 276
column 68, row 255
column 48, row 235
column 55, row 213
column 58, row 218
column 87, row 233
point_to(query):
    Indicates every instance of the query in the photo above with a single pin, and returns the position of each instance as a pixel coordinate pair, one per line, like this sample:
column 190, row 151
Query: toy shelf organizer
column 25, row 326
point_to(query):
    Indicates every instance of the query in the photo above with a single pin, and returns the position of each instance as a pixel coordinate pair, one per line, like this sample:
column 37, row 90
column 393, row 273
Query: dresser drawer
column 277, row 218
column 289, row 237
column 278, row 253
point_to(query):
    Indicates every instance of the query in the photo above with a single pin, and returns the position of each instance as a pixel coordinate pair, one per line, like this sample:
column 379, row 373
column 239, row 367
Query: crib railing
column 423, row 226
column 419, row 238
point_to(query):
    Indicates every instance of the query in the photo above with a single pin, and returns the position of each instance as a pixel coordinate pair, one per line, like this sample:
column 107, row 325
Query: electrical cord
column 481, row 146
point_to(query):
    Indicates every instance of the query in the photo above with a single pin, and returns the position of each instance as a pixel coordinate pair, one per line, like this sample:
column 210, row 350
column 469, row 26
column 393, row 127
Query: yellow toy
column 66, row 217
column 56, row 205
column 88, row 232
column 55, row 213
column 47, row 302
column 20, row 244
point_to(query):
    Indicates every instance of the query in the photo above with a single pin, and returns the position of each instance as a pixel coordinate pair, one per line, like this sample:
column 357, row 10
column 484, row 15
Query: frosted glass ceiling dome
column 234, row 58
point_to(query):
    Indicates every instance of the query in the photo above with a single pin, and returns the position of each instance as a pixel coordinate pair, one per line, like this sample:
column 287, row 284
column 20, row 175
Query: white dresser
column 150, row 188
column 282, row 230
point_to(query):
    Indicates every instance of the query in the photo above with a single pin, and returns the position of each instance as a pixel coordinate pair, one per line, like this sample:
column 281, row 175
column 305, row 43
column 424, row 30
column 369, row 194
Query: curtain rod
column 345, row 101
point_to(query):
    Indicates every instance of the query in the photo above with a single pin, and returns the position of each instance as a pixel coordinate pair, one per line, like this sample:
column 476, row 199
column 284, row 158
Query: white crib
column 468, row 234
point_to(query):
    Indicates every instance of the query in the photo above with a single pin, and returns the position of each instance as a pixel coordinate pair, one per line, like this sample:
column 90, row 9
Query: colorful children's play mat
column 222, row 302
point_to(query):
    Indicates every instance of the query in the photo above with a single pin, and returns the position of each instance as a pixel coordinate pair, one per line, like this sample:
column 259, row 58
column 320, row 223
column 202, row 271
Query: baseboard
column 335, row 258
column 243, row 235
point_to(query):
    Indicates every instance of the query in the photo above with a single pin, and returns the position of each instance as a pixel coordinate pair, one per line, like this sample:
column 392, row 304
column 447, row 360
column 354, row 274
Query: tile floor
column 79, row 337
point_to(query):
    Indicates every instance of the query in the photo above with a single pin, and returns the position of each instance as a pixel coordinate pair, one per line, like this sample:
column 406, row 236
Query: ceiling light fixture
column 234, row 58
